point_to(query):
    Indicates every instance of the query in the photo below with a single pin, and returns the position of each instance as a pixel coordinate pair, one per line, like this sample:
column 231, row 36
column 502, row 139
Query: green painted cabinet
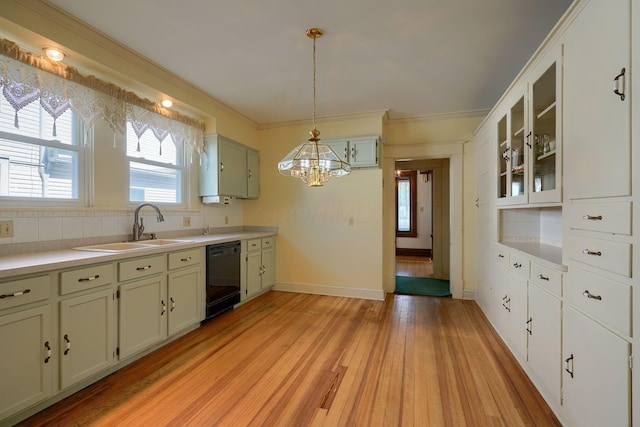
column 360, row 152
column 86, row 341
column 253, row 174
column 26, row 359
column 260, row 266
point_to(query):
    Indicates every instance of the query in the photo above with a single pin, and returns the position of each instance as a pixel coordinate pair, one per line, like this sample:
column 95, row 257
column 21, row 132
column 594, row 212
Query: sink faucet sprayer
column 138, row 224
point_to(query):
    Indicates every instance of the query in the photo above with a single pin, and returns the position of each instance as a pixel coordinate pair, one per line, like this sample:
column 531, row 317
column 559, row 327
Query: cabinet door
column 518, row 167
column 183, row 299
column 268, row 268
column 86, row 336
column 232, row 167
column 253, row 174
column 500, row 297
column 545, row 141
column 254, row 273
column 364, row 152
column 143, row 314
column 596, row 123
column 25, row 359
column 596, row 380
column 341, row 147
column 517, row 308
column 544, row 329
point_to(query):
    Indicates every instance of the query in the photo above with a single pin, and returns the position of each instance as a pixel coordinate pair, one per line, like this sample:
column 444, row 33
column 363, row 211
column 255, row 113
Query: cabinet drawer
column 605, row 217
column 605, row 254
column 184, row 258
column 546, row 278
column 519, row 264
column 254, row 245
column 24, row 291
column 604, row 299
column 140, row 267
column 85, row 278
column 502, row 256
column 267, row 242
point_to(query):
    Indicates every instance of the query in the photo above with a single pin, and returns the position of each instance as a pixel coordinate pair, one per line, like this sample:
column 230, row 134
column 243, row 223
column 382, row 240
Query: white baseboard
column 336, row 291
column 469, row 294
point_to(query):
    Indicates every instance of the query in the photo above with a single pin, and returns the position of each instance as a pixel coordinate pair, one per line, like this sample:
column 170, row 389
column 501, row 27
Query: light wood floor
column 291, row 359
column 413, row 266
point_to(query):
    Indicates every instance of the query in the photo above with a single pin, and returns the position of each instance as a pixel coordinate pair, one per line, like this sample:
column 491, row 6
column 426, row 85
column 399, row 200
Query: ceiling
column 407, row 57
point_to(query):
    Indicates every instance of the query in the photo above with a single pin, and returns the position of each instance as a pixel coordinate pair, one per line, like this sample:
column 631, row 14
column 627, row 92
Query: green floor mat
column 422, row 286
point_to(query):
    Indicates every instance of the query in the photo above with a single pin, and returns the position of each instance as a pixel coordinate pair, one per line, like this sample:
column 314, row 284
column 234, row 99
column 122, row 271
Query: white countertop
column 16, row 265
column 549, row 255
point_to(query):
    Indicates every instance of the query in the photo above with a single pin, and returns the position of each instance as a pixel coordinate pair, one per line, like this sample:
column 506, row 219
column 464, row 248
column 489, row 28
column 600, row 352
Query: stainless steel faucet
column 138, row 223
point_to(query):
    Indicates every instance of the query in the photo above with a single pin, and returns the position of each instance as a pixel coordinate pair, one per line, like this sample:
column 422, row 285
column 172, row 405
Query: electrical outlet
column 186, row 221
column 6, row 228
column 226, row 220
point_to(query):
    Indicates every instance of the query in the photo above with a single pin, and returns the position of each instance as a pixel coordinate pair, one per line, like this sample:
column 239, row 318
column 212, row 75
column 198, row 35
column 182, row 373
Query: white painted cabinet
column 596, row 376
column 596, row 121
column 544, row 327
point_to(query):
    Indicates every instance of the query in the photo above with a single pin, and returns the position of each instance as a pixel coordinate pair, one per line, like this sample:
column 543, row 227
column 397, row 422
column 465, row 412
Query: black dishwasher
column 223, row 277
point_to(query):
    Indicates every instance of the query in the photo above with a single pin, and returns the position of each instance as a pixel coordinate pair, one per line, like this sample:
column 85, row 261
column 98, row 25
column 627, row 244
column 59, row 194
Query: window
column 156, row 171
column 406, row 201
column 34, row 165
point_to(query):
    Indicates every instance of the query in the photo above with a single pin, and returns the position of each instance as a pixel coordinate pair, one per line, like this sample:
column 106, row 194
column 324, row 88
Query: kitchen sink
column 130, row 246
column 162, row 242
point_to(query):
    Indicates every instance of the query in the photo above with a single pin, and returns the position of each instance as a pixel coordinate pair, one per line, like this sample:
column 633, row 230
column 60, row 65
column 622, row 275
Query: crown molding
column 54, row 14
column 376, row 114
column 441, row 116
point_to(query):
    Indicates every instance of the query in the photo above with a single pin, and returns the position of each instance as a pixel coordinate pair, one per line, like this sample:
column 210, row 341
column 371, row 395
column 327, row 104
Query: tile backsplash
column 542, row 225
column 41, row 229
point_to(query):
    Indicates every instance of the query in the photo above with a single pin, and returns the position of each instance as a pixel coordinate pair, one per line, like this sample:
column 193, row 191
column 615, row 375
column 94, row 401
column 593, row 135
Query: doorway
column 422, row 203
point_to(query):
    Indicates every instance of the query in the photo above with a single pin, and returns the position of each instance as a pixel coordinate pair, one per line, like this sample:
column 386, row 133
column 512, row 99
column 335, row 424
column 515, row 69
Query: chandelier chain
column 314, row 82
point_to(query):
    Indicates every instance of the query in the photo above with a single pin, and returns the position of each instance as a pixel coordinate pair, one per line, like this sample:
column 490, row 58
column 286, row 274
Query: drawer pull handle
column 567, row 360
column 67, row 344
column 508, row 305
column 500, row 256
column 591, row 296
column 529, row 323
column 147, row 267
column 517, row 265
column 592, row 217
column 48, row 347
column 88, row 279
column 15, row 294
column 187, row 259
column 173, row 304
column 541, row 277
column 588, row 252
column 618, row 88
column 164, row 307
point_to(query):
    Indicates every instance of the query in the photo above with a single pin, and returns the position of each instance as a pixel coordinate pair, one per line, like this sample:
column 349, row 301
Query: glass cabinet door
column 543, row 101
column 518, row 155
column 503, row 158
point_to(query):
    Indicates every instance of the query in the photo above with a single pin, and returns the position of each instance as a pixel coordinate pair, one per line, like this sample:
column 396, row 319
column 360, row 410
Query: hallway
column 414, row 266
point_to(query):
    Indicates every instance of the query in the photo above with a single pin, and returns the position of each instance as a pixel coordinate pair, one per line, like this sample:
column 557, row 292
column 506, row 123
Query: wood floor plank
column 309, row 360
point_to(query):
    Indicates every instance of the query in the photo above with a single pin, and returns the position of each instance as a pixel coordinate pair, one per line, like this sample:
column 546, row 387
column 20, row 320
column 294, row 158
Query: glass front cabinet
column 529, row 146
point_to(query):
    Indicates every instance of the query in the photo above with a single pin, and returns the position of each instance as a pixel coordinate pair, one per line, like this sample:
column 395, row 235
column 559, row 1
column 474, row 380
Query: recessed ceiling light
column 167, row 103
column 54, row 54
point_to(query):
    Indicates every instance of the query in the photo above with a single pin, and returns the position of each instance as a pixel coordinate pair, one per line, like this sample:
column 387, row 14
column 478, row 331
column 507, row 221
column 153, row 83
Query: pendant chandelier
column 313, row 161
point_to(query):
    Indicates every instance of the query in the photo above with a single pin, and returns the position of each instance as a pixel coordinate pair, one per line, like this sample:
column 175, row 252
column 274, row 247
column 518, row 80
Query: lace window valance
column 26, row 78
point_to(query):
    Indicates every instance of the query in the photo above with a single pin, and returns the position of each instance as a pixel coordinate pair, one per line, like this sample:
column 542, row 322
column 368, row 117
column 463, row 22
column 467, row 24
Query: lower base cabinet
column 25, row 361
column 260, row 266
column 596, row 377
column 143, row 314
column 184, row 299
column 86, row 336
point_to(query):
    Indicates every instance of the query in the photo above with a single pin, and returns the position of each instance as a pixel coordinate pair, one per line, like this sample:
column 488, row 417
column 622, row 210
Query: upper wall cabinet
column 360, row 152
column 597, row 120
column 529, row 145
column 228, row 169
